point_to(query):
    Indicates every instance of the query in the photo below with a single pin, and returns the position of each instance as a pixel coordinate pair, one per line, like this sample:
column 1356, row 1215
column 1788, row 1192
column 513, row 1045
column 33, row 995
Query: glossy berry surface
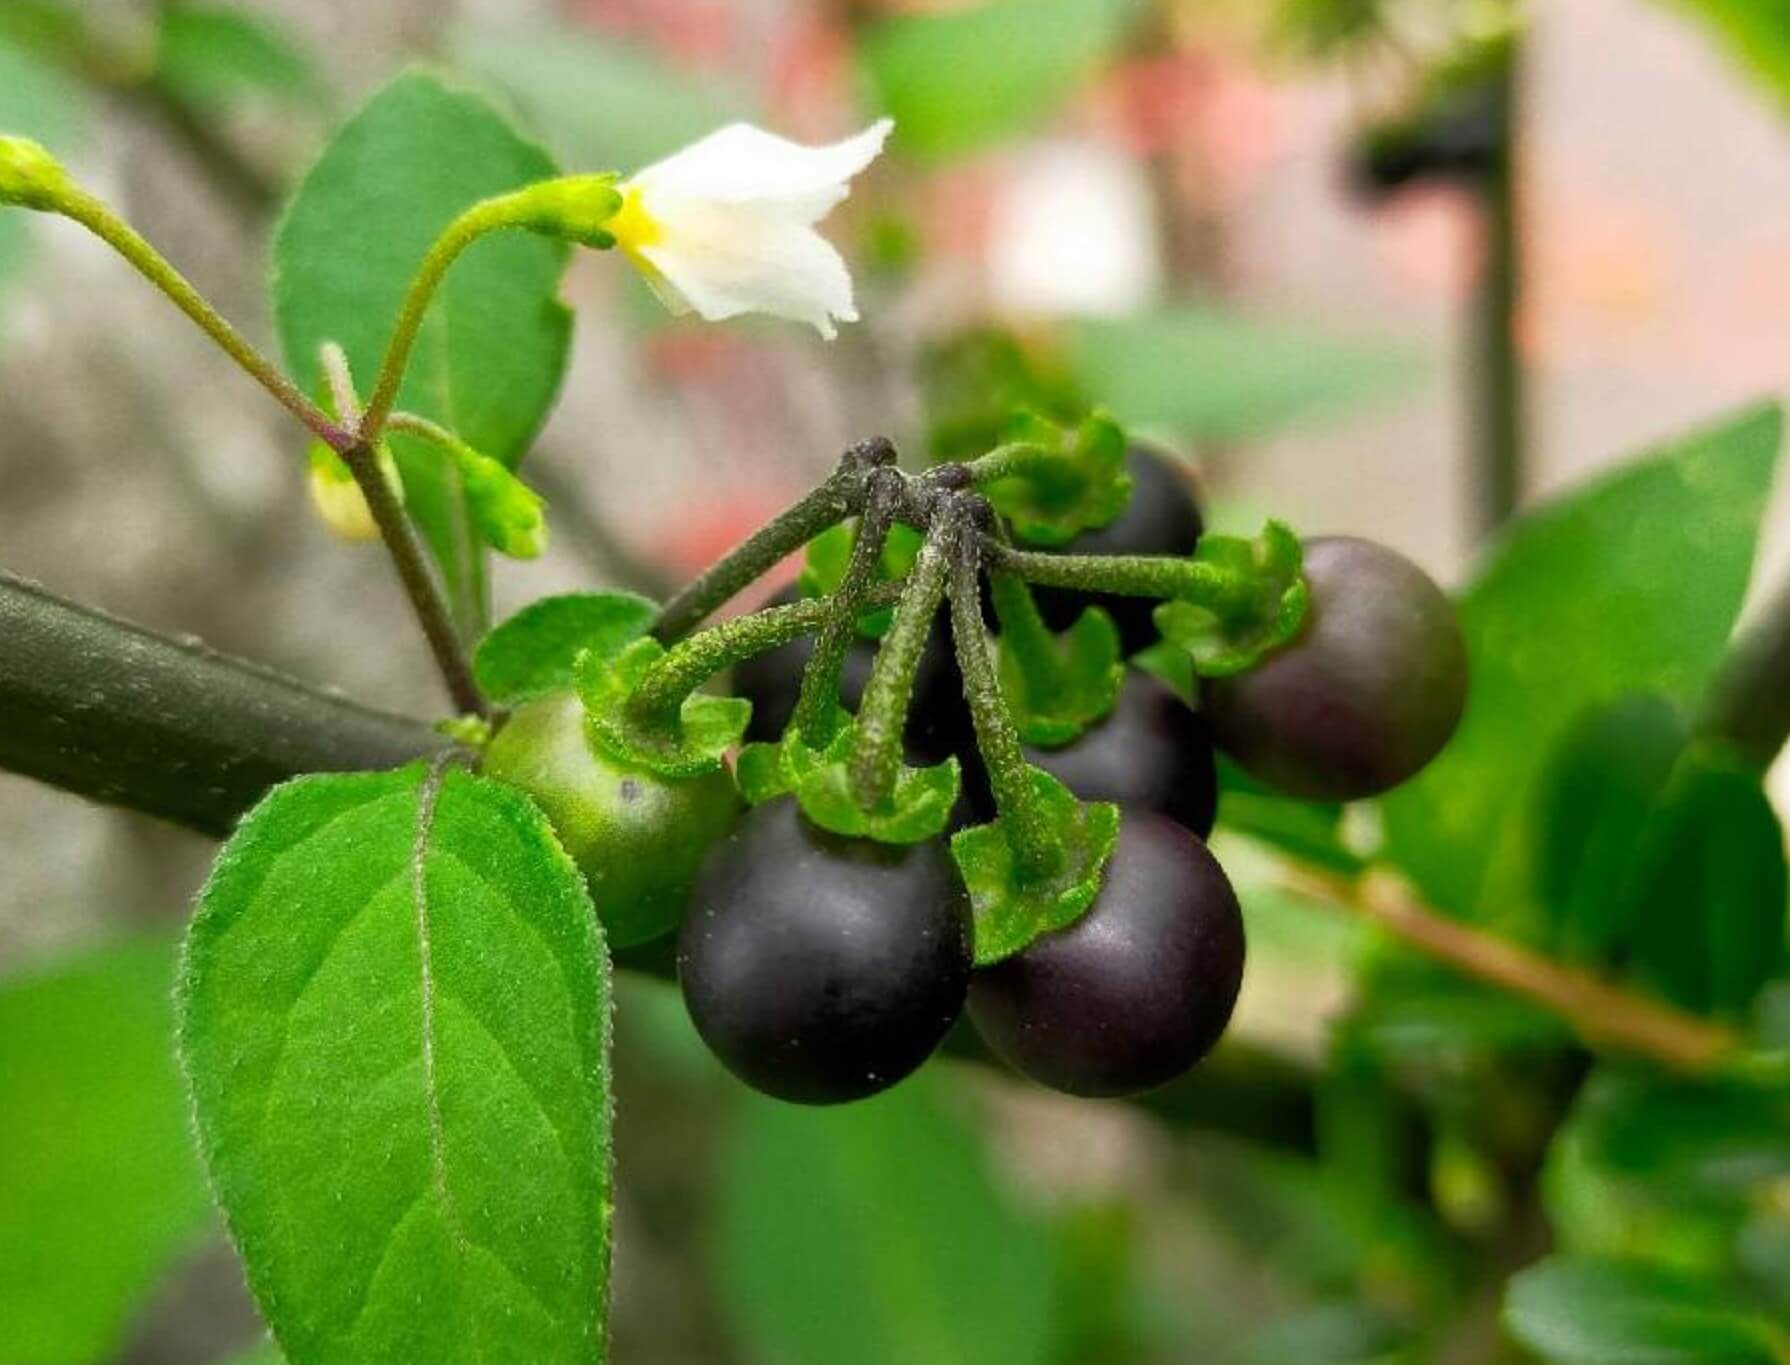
column 1162, row 518
column 1135, row 991
column 1153, row 752
column 1368, row 691
column 638, row 838
column 772, row 682
column 821, row 969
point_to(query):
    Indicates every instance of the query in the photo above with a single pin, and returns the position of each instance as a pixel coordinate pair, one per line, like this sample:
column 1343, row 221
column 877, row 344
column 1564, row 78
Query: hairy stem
column 1004, row 461
column 1038, row 852
column 817, row 706
column 882, row 712
column 1206, row 585
column 90, row 213
column 660, row 694
column 832, row 502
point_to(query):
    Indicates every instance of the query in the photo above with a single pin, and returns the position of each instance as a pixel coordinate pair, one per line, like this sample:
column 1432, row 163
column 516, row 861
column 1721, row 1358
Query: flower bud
column 509, row 515
column 338, row 499
column 30, row 177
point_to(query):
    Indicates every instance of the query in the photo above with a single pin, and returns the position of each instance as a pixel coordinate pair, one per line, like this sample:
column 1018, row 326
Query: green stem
column 1023, row 632
column 882, row 712
column 1038, row 852
column 817, row 708
column 831, row 503
column 516, row 209
column 1203, row 584
column 1005, row 461
column 426, row 599
column 659, row 696
column 81, row 207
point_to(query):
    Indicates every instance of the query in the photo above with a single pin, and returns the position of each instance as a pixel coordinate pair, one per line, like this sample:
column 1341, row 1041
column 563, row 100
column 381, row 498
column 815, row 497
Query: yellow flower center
column 632, row 226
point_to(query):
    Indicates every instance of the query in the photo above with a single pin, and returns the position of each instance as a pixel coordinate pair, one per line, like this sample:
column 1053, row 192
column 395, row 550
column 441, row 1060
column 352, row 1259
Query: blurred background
column 1275, row 237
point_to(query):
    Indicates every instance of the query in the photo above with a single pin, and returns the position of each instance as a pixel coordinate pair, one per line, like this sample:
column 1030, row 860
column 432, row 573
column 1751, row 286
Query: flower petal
column 724, row 263
column 743, row 164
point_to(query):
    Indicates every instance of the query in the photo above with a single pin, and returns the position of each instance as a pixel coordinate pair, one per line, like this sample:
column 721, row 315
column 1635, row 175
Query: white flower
column 726, row 226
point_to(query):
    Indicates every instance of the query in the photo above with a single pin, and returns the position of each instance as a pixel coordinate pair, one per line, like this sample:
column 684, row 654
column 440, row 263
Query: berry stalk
column 1038, row 850
column 838, row 497
column 818, row 706
column 882, row 713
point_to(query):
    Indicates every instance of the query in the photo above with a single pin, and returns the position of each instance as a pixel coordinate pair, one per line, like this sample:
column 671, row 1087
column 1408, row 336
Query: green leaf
column 1209, row 374
column 918, row 808
column 1582, row 1311
column 38, row 102
column 492, row 349
column 960, row 79
column 1266, row 603
column 1709, row 886
column 535, row 651
column 1010, row 911
column 1054, row 699
column 706, row 728
column 102, row 1189
column 1756, row 34
column 211, row 57
column 875, row 1233
column 601, row 102
column 1594, row 800
column 1630, row 584
column 395, row 1018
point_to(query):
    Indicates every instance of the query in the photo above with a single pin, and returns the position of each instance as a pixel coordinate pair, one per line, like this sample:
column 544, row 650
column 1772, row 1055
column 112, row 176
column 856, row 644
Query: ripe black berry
column 1135, row 991
column 1365, row 695
column 1162, row 518
column 1153, row 752
column 937, row 717
column 822, row 969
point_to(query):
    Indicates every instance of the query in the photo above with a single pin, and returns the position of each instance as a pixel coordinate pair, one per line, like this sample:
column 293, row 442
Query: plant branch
column 832, row 502
column 1497, row 376
column 129, row 718
column 1603, row 1014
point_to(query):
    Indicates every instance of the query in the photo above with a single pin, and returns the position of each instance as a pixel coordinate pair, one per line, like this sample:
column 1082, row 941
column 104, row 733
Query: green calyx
column 687, row 742
column 577, row 208
column 1011, row 909
column 1252, row 600
column 1052, row 483
column 30, row 177
column 917, row 808
column 1058, row 685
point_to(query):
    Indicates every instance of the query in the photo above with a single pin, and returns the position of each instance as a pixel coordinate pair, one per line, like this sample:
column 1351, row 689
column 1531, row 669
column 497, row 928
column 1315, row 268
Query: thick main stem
column 1038, row 852
column 832, row 502
column 882, row 711
column 90, row 213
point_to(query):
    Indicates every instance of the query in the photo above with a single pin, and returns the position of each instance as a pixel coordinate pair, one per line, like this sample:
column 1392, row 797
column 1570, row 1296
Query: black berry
column 1365, row 695
column 822, row 969
column 1135, row 991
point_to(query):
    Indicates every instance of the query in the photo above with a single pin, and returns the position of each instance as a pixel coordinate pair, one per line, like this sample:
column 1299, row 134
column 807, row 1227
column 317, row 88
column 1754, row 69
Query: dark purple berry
column 1153, row 752
column 1366, row 694
column 1135, row 991
column 821, row 969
